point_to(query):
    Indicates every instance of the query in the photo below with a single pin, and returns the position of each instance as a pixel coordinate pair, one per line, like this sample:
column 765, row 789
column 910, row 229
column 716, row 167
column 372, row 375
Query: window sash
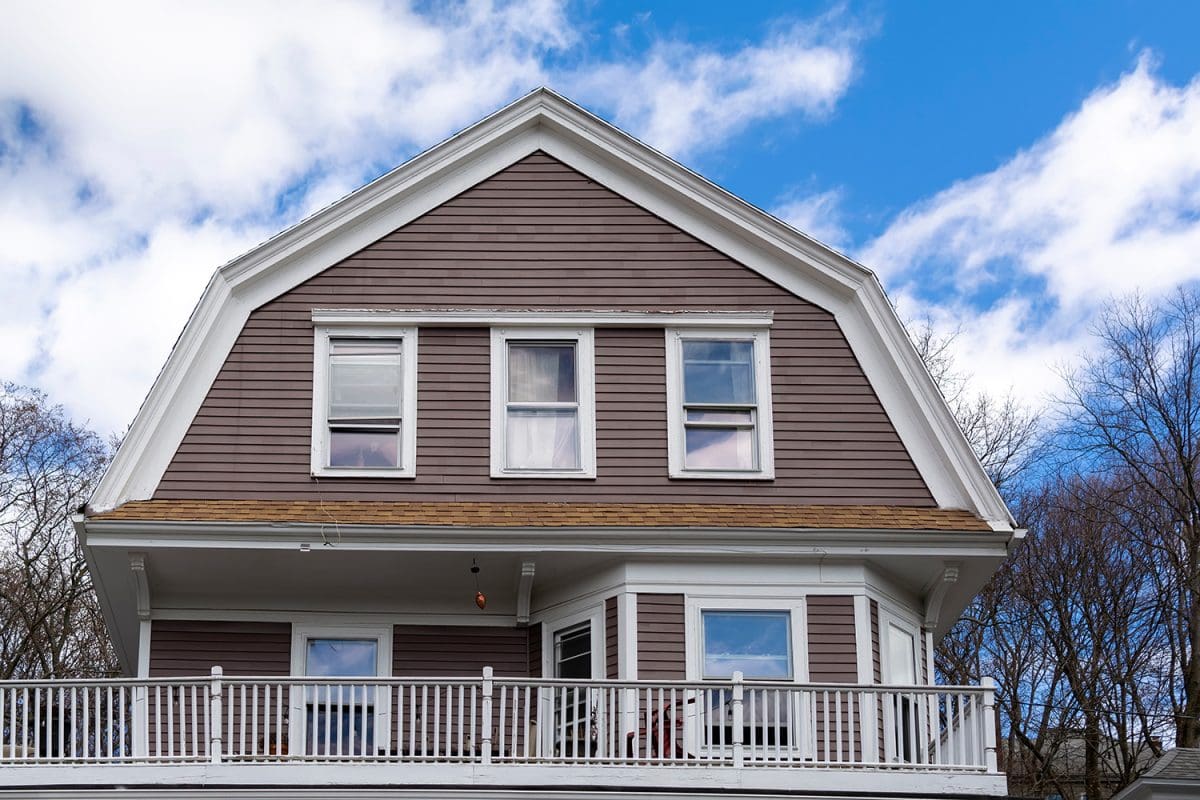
column 515, row 408
column 784, row 653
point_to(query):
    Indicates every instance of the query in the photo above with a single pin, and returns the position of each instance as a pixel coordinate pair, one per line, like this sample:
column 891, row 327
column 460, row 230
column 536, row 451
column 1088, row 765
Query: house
column 540, row 464
column 1174, row 776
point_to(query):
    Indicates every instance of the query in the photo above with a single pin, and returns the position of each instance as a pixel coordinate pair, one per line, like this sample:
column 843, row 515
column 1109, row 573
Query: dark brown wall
column 875, row 642
column 661, row 653
column 832, row 655
column 611, row 639
column 539, row 234
column 180, row 648
column 535, row 650
column 459, row 651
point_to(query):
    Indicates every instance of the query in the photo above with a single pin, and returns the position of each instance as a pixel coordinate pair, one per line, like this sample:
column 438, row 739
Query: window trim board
column 319, row 451
column 764, row 419
column 585, row 384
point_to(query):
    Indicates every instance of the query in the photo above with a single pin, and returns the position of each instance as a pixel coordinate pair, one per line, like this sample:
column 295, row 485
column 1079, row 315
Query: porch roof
column 550, row 515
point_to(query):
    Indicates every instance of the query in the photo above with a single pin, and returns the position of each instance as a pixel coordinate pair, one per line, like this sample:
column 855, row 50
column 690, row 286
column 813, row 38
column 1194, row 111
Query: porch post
column 989, row 724
column 485, row 739
column 214, row 716
column 141, row 731
column 739, row 755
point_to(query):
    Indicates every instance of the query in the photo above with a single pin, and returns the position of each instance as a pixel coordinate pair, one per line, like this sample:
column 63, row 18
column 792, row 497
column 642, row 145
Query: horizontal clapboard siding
column 459, row 651
column 539, row 234
column 611, row 639
column 832, row 654
column 661, row 653
column 180, row 648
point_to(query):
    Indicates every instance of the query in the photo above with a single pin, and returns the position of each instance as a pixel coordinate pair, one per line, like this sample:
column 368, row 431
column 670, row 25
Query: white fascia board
column 544, row 121
column 723, row 541
column 542, row 318
column 126, row 656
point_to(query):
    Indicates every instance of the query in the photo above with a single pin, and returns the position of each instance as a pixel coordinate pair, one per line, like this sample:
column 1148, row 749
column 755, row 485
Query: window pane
column 364, row 448
column 543, row 439
column 718, row 371
column 341, row 657
column 541, row 373
column 719, row 448
column 364, row 379
column 755, row 642
column 731, row 417
column 573, row 653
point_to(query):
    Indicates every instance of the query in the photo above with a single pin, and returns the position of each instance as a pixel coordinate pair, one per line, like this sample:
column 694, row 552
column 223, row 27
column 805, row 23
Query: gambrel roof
column 544, row 121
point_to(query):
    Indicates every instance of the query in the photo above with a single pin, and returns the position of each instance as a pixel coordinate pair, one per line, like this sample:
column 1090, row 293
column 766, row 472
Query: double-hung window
column 719, row 404
column 364, row 402
column 543, row 403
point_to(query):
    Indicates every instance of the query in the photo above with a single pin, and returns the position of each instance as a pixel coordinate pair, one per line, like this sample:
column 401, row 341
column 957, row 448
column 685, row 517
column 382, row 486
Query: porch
column 498, row 731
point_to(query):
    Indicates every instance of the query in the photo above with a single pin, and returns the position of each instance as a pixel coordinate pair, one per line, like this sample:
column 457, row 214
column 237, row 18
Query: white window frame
column 320, row 422
column 301, row 633
column 889, row 618
column 585, row 385
column 797, row 608
column 764, row 428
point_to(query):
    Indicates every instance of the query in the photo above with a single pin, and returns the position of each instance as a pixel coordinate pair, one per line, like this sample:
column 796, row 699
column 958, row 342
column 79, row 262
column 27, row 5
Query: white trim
column 322, row 334
column 542, row 120
column 627, row 649
column 763, row 423
column 796, row 605
column 145, row 635
column 888, row 617
column 585, row 387
column 593, row 615
column 862, row 639
column 544, row 318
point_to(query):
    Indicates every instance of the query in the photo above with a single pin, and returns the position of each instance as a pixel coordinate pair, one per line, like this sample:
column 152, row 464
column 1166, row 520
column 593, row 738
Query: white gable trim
column 545, row 121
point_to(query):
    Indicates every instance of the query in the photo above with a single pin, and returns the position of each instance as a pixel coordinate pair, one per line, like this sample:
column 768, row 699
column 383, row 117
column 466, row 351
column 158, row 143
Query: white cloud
column 1021, row 258
column 683, row 98
column 144, row 143
column 819, row 215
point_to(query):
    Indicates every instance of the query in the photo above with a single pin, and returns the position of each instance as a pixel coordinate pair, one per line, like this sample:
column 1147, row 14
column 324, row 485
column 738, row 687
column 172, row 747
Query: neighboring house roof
column 1175, row 776
column 550, row 515
column 544, row 121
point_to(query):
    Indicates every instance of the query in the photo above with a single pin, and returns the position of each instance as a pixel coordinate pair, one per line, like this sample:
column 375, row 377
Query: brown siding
column 660, row 634
column 180, row 648
column 535, row 650
column 611, row 640
column 875, row 642
column 459, row 651
column 539, row 234
column 832, row 657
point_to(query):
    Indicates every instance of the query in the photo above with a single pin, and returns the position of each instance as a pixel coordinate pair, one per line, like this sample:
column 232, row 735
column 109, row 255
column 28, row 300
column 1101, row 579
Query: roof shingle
column 550, row 515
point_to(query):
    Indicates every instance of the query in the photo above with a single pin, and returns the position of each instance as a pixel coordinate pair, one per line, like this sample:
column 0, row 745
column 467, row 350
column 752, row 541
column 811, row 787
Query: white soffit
column 543, row 120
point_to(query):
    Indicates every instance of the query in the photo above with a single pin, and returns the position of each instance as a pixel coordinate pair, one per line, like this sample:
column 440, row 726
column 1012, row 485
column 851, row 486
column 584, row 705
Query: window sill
column 330, row 472
column 698, row 475
column 577, row 475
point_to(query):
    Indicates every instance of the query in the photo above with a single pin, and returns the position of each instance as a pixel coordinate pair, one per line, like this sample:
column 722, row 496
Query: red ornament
column 480, row 600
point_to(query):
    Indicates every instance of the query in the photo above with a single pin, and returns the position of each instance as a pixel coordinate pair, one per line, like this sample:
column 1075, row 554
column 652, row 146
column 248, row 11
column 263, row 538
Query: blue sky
column 1005, row 168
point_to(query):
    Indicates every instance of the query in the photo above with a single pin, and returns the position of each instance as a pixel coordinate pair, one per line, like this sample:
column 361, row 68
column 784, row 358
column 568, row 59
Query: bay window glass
column 756, row 643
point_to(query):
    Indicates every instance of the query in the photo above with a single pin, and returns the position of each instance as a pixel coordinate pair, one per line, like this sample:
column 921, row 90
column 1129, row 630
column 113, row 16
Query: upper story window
column 364, row 402
column 719, row 404
column 543, row 403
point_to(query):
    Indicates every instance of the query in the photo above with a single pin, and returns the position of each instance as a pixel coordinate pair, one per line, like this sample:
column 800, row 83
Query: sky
column 1006, row 169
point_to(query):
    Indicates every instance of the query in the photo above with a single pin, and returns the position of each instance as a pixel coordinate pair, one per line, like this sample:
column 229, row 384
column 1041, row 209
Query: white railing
column 499, row 720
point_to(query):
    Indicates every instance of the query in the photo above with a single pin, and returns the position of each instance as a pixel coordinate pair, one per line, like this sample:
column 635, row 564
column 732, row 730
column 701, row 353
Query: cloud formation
column 142, row 144
column 1021, row 258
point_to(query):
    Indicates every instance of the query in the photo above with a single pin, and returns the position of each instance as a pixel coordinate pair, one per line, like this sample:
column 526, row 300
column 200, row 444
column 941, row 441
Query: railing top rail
column 300, row 680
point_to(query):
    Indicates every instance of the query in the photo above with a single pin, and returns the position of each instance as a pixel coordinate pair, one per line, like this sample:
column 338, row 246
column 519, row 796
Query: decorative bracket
column 524, row 592
column 141, row 584
column 937, row 593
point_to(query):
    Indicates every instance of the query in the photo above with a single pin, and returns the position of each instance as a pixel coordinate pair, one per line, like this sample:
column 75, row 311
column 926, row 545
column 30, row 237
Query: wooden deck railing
column 736, row 723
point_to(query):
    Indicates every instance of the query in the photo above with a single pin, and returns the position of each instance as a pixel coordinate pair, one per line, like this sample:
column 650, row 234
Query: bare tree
column 50, row 623
column 1134, row 409
column 1005, row 434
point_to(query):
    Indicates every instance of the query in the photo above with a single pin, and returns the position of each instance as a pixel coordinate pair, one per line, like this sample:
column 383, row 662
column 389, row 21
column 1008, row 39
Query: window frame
column 789, row 646
column 763, row 418
column 585, row 387
column 407, row 451
column 796, row 607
